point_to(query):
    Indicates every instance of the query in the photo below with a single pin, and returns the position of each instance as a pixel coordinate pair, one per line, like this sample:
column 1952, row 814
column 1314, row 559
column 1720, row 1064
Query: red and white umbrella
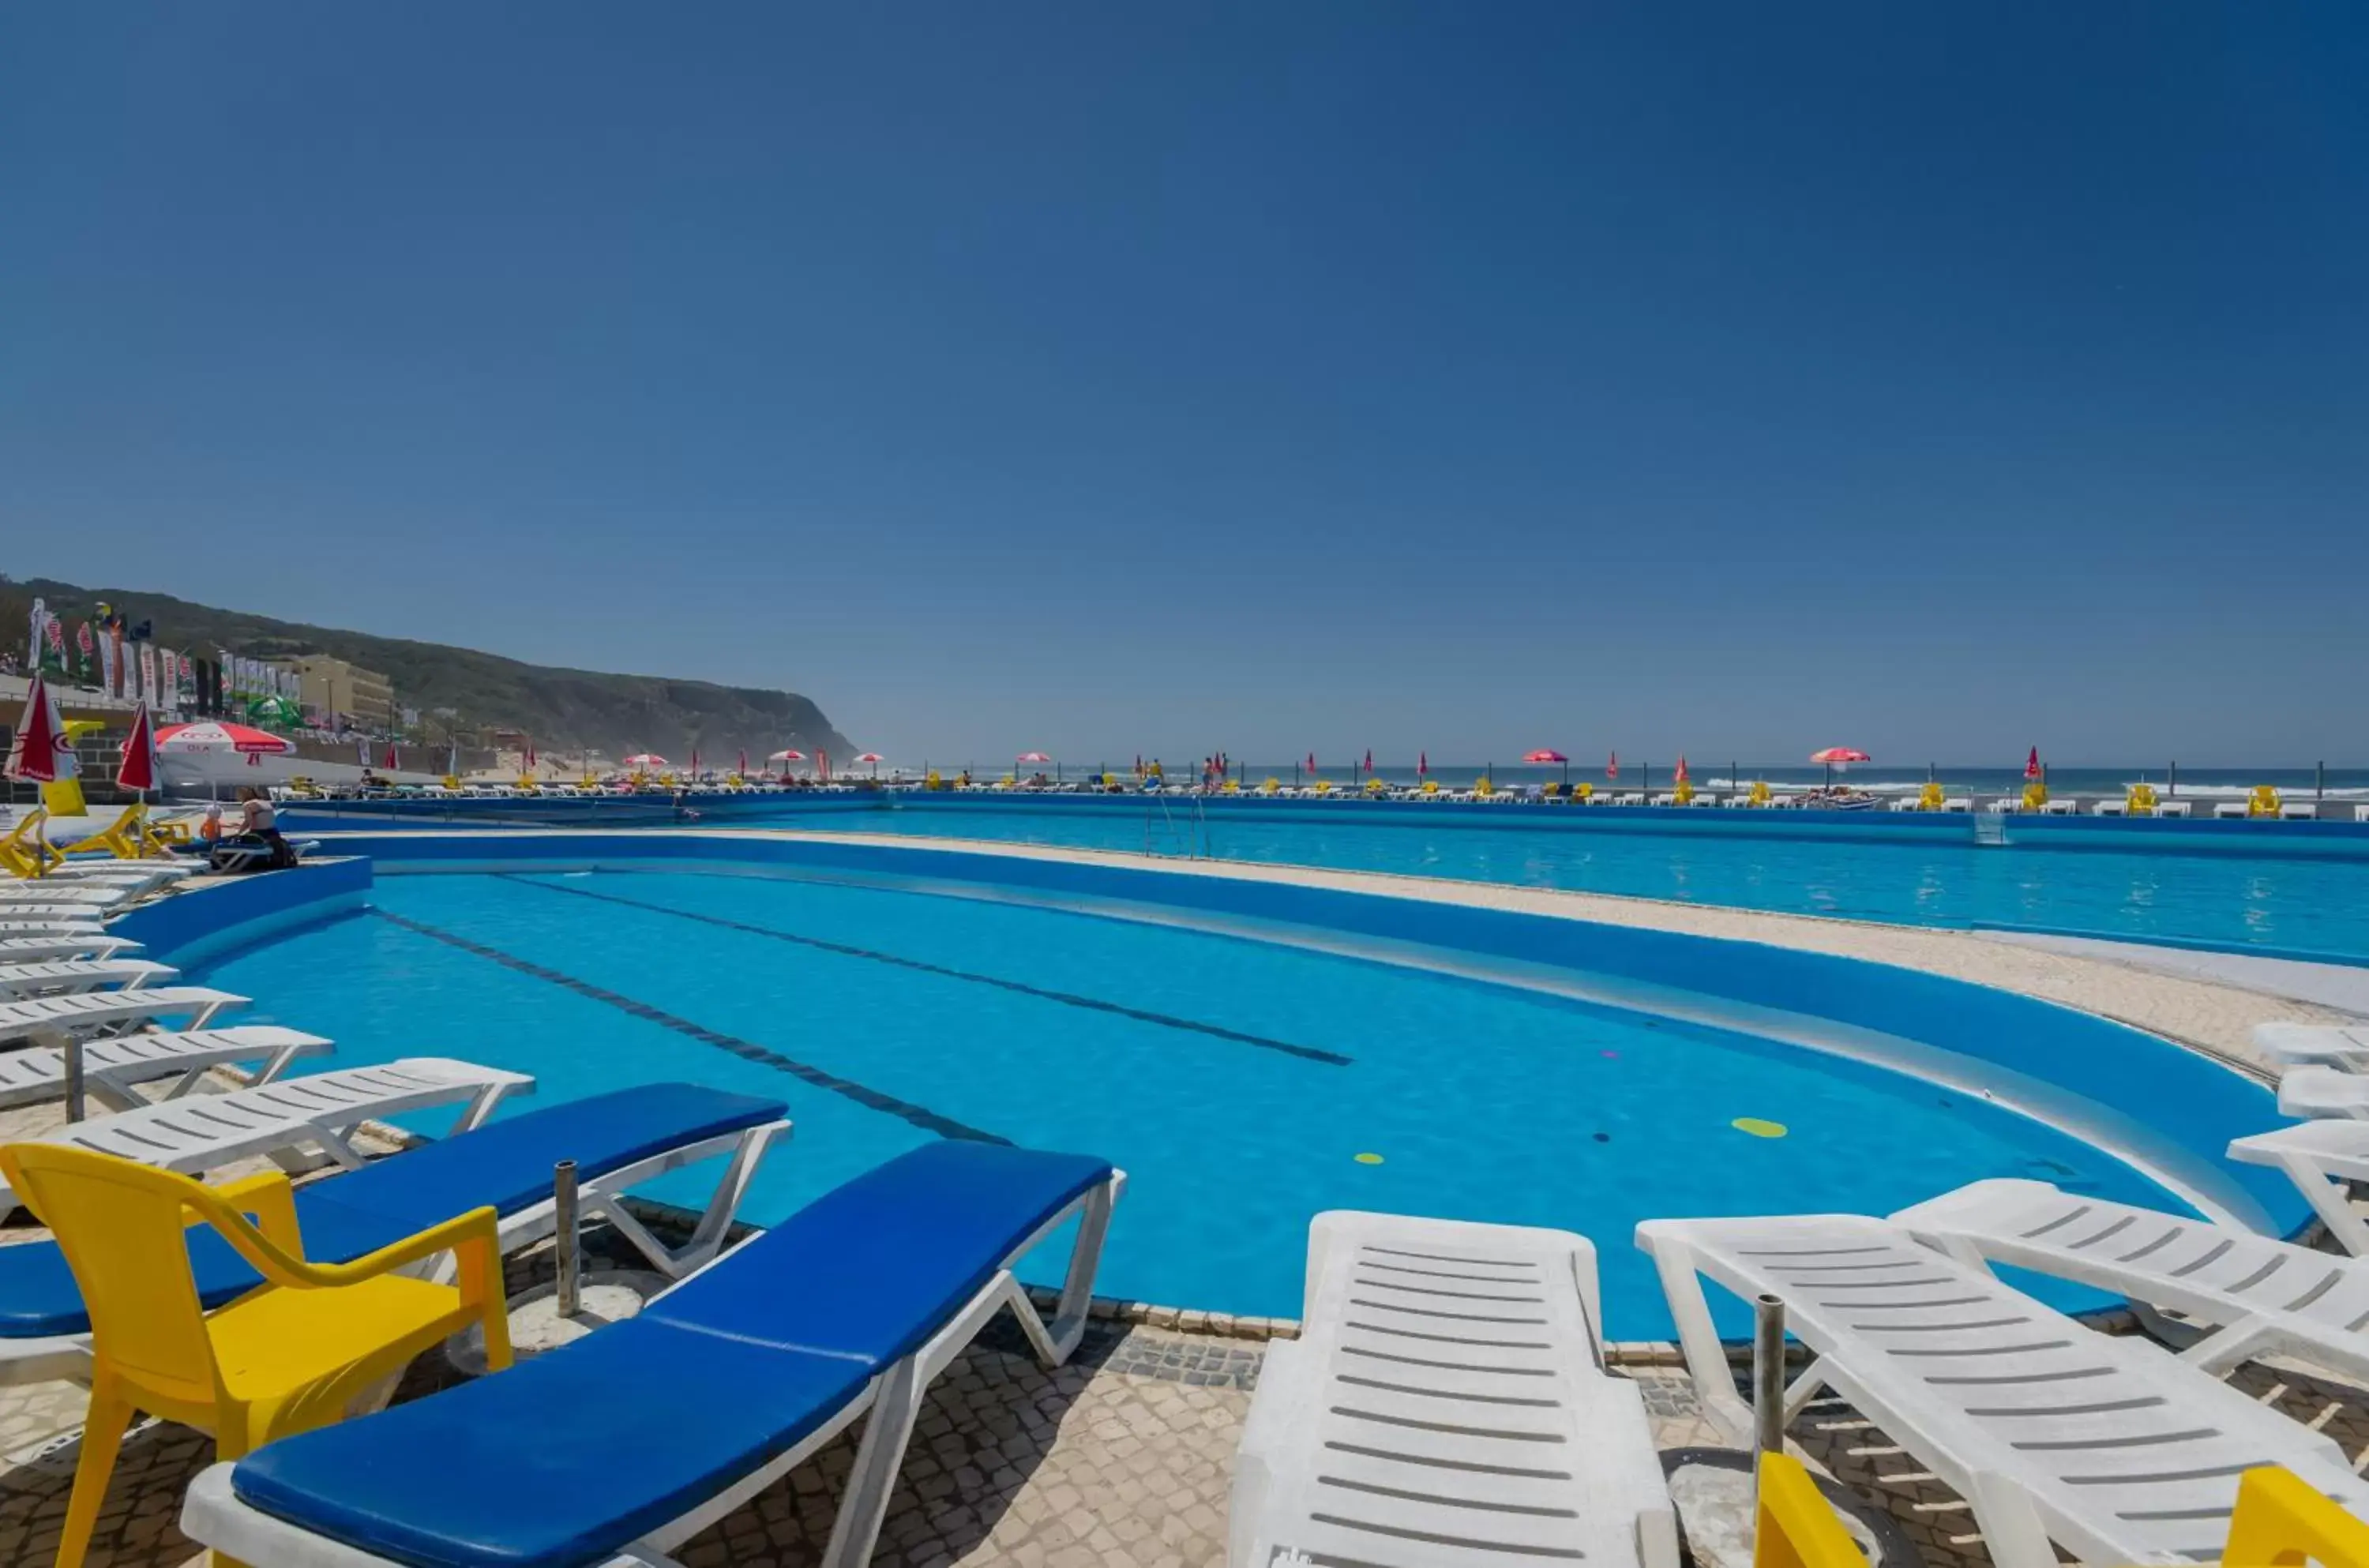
column 1546, row 754
column 2032, row 764
column 1834, row 756
column 645, row 760
column 875, row 758
column 138, row 771
column 787, row 757
column 1023, row 757
column 39, row 752
column 1684, row 777
column 214, row 735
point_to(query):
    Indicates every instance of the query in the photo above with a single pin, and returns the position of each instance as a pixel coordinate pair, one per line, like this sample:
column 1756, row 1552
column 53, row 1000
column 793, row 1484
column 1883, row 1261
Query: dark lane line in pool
column 1069, row 999
column 749, row 1050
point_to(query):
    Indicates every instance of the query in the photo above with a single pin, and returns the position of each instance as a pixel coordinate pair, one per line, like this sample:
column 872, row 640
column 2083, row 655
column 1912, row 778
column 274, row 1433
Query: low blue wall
column 2183, row 1099
column 218, row 914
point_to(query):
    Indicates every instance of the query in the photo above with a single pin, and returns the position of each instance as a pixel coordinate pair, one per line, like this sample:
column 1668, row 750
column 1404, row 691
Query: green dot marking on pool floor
column 1758, row 1127
column 1370, row 1159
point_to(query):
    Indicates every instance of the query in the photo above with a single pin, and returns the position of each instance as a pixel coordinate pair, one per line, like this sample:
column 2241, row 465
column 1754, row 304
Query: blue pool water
column 2298, row 906
column 1237, row 1082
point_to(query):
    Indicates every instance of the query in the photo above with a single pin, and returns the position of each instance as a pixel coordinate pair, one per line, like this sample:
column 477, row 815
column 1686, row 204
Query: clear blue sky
column 1728, row 378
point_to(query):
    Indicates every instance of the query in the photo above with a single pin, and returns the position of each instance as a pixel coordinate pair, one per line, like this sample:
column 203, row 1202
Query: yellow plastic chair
column 2279, row 1520
column 24, row 853
column 1430, row 786
column 289, row 1356
column 1929, row 797
column 1794, row 1525
column 2140, row 801
column 125, row 839
column 1759, row 793
column 2263, row 802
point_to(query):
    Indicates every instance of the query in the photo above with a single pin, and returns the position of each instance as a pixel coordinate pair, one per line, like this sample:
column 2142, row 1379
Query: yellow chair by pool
column 2263, row 802
column 2278, row 1519
column 1485, row 788
column 1929, row 797
column 289, row 1356
column 127, row 838
column 2140, row 801
column 1759, row 794
column 24, row 853
column 1794, row 1526
column 1431, row 786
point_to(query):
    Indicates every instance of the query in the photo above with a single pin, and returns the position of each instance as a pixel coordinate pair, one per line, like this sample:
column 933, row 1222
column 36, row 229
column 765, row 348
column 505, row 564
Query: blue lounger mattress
column 506, row 1165
column 564, row 1459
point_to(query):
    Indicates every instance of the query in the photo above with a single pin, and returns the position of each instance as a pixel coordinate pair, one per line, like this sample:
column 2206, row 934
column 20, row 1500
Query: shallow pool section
column 2182, row 882
column 1244, row 1086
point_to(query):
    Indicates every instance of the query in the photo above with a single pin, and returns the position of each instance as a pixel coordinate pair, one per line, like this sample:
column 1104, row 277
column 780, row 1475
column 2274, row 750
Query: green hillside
column 562, row 709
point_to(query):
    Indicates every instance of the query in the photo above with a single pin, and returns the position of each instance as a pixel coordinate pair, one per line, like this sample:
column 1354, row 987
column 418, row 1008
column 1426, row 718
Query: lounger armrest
column 1631, row 1469
column 1268, row 1433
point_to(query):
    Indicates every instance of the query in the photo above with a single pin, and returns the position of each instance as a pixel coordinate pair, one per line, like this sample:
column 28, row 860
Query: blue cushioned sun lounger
column 617, row 1140
column 620, row 1447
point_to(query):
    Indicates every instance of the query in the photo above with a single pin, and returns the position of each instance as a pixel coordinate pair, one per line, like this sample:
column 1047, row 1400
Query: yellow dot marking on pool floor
column 1370, row 1159
column 1758, row 1127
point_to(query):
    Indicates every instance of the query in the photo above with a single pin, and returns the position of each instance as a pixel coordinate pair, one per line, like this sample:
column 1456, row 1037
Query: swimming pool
column 2180, row 882
column 1244, row 1084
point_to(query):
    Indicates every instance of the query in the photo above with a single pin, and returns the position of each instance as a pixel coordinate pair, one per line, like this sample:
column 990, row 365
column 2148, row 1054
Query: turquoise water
column 1236, row 1082
column 2298, row 905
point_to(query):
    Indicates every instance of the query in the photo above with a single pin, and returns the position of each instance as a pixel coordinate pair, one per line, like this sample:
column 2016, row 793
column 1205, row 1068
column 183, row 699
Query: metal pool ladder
column 1185, row 833
column 1990, row 829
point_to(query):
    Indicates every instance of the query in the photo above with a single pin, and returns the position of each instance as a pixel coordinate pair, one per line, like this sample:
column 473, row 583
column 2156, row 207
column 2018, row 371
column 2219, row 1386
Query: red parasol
column 2032, row 764
column 33, row 753
column 1613, row 768
column 138, row 772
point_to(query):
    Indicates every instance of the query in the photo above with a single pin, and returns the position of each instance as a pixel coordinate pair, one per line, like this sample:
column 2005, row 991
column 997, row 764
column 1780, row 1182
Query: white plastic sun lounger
column 2175, row 809
column 2314, row 1045
column 69, row 975
column 134, row 877
column 1446, row 1406
column 111, row 1067
column 75, row 921
column 1959, row 805
column 70, row 890
column 2053, row 1432
column 2298, row 811
column 2307, row 1093
column 53, row 1018
column 2061, row 808
column 90, row 943
column 2251, row 1294
column 2229, row 808
column 45, row 916
column 2322, row 1159
column 288, row 1118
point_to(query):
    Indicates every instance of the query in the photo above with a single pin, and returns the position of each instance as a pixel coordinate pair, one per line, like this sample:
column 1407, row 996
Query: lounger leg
column 1068, row 1324
column 2331, row 1198
column 1706, row 1357
column 2011, row 1526
column 725, row 1202
column 887, row 1430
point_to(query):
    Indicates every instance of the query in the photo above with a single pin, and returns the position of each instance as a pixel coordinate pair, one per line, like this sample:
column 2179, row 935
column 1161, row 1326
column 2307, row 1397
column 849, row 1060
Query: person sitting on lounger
column 258, row 827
